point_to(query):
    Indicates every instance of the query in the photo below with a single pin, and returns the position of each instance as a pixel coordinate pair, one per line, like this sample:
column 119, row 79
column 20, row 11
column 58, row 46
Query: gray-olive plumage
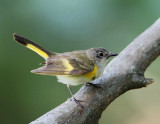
column 71, row 68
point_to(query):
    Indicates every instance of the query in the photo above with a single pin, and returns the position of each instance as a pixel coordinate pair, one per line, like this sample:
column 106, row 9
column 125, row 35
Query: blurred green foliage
column 67, row 25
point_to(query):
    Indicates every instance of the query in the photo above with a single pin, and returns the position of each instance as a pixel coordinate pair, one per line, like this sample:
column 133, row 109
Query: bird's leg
column 94, row 85
column 77, row 101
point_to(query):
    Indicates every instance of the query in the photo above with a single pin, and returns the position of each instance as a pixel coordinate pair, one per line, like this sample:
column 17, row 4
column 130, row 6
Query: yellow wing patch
column 69, row 68
column 67, row 65
column 37, row 50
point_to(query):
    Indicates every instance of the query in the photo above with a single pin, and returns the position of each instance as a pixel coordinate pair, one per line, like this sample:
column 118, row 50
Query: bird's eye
column 100, row 54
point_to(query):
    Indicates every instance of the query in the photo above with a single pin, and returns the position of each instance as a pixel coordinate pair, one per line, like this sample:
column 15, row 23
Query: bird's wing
column 65, row 66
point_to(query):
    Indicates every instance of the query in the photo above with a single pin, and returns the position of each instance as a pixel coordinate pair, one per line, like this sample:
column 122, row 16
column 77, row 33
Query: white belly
column 72, row 80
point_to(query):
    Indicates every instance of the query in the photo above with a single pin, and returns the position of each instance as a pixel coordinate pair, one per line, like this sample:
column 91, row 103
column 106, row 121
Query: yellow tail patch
column 37, row 50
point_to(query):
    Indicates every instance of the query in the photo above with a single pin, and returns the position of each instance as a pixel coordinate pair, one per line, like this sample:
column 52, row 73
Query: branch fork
column 123, row 73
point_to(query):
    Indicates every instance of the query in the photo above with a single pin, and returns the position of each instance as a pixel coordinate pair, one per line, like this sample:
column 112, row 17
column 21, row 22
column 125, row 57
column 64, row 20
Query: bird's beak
column 113, row 54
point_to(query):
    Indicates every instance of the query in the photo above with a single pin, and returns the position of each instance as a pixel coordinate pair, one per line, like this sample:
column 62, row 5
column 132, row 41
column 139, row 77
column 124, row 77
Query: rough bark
column 122, row 74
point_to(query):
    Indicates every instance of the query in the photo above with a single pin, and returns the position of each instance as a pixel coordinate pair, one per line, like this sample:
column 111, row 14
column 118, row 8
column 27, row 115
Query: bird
column 70, row 68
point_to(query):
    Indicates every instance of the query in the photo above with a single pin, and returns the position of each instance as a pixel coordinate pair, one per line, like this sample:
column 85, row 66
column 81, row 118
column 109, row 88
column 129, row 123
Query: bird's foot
column 94, row 85
column 78, row 102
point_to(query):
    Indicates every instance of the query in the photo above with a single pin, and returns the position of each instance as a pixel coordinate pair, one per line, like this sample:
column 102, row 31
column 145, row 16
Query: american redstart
column 71, row 68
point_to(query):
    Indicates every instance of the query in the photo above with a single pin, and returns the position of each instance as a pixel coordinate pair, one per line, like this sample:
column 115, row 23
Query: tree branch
column 123, row 73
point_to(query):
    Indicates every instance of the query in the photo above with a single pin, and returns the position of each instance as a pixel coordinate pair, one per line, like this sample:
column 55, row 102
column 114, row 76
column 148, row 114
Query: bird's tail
column 33, row 46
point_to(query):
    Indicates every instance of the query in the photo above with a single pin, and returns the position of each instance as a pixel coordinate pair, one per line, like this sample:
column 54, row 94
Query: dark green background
column 67, row 25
